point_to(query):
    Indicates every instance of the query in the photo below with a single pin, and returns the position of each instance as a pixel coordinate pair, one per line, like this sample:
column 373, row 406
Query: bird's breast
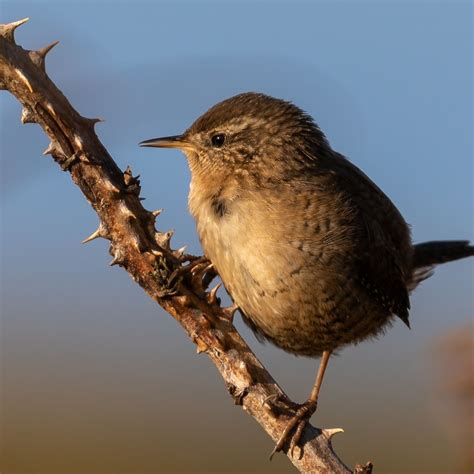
column 237, row 235
column 289, row 273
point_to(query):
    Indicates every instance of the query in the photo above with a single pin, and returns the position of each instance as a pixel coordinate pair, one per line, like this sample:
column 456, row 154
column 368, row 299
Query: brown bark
column 147, row 255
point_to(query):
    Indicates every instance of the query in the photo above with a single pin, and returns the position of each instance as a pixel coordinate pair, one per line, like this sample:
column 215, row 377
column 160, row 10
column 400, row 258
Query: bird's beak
column 175, row 141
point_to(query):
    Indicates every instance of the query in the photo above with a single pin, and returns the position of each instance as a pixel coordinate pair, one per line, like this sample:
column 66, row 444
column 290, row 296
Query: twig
column 146, row 254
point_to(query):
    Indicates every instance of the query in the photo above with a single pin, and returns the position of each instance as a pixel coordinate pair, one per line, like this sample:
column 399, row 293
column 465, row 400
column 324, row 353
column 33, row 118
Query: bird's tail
column 442, row 251
column 428, row 254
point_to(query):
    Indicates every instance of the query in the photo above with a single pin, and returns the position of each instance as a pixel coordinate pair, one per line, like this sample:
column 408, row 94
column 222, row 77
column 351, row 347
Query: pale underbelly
column 290, row 298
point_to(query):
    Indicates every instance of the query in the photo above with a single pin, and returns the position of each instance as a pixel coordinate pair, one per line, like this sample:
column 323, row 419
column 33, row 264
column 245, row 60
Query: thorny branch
column 175, row 280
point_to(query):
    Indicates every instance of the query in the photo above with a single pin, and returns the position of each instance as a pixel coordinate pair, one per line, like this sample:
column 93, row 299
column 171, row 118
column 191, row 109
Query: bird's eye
column 218, row 140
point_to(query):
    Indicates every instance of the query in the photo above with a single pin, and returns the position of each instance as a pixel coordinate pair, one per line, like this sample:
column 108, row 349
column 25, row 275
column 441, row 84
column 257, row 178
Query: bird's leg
column 304, row 412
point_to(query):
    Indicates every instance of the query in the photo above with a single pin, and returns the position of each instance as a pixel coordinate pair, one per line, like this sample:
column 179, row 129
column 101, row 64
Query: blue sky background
column 96, row 378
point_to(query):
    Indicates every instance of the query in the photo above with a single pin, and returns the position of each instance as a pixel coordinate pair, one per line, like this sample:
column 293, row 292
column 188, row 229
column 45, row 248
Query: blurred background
column 95, row 377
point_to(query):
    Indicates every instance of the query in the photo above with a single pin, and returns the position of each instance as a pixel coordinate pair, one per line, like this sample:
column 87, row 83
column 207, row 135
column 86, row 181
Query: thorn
column 50, row 149
column 93, row 121
column 27, row 116
column 229, row 312
column 212, row 297
column 38, row 57
column 8, row 30
column 127, row 173
column 132, row 183
column 201, row 346
column 180, row 252
column 330, row 432
column 163, row 239
column 100, row 232
column 114, row 261
column 156, row 213
column 46, row 49
column 93, row 236
column 54, row 150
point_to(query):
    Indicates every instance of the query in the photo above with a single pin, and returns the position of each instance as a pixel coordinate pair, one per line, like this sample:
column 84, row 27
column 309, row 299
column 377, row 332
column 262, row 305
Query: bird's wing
column 382, row 248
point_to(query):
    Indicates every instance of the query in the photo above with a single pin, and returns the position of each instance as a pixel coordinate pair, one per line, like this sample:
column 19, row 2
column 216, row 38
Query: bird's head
column 250, row 133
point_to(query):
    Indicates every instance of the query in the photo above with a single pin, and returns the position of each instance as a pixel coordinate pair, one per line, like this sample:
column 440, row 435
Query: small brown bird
column 314, row 254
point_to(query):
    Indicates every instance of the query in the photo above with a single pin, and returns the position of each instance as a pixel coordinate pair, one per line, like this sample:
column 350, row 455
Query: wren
column 314, row 254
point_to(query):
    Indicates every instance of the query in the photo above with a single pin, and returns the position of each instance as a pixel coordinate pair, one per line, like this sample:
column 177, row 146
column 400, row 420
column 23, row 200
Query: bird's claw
column 298, row 422
column 170, row 279
column 200, row 274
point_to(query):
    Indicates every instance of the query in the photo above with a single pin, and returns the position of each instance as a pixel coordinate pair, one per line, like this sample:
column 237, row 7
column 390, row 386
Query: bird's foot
column 199, row 273
column 194, row 272
column 170, row 279
column 297, row 424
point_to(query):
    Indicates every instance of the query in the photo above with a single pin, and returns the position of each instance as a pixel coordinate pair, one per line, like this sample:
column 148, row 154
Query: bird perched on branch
column 314, row 254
